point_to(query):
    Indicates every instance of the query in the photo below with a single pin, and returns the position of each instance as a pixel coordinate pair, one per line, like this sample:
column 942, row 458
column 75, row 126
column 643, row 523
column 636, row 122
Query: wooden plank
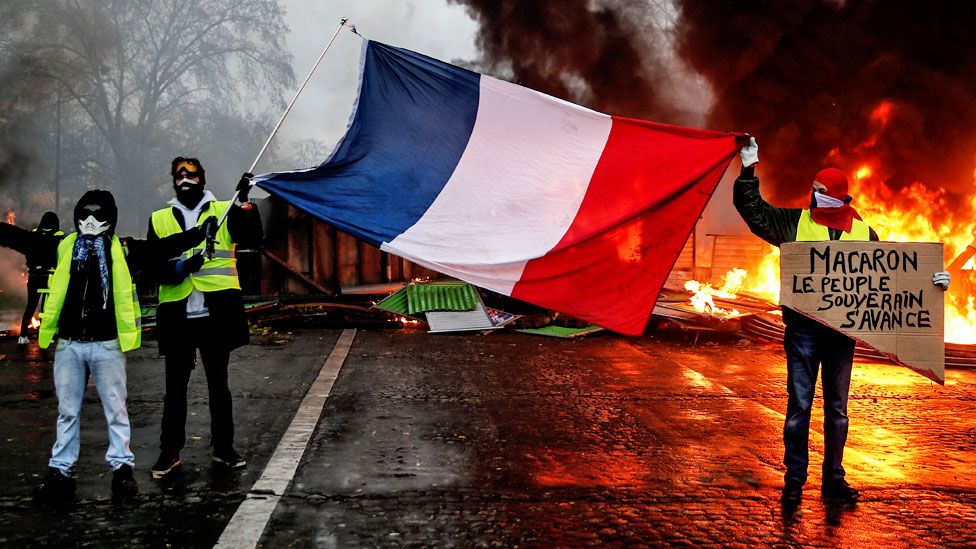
column 347, row 255
column 370, row 269
column 323, row 254
column 297, row 252
column 282, row 263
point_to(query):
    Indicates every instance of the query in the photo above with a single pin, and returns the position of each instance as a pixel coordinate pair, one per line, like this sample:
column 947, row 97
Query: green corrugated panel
column 441, row 296
column 395, row 303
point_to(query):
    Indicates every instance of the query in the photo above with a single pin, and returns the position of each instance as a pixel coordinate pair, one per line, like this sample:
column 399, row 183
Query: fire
column 915, row 213
column 35, row 322
column 702, row 300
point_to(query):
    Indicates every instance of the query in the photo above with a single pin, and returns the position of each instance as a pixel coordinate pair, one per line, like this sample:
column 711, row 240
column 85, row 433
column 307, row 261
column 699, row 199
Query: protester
column 93, row 310
column 810, row 344
column 201, row 308
column 38, row 247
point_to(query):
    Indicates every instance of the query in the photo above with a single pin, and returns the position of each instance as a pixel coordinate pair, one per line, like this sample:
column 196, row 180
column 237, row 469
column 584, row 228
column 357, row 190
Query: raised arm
column 22, row 240
column 772, row 224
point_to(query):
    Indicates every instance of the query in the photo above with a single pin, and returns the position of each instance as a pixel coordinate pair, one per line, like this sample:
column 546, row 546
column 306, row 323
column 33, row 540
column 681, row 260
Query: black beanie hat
column 109, row 211
column 49, row 222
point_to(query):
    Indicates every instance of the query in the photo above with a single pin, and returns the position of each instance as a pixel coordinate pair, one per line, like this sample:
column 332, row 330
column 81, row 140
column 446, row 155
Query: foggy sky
column 430, row 27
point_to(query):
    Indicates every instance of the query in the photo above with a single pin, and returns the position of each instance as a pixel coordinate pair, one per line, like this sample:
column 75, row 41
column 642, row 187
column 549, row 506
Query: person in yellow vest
column 810, row 345
column 38, row 246
column 93, row 311
column 201, row 308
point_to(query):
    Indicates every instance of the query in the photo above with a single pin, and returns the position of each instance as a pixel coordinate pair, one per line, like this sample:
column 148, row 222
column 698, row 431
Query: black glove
column 244, row 186
column 209, row 227
column 192, row 264
column 183, row 267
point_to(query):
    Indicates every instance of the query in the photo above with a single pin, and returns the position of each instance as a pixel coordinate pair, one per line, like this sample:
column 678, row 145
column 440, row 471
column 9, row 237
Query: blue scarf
column 84, row 245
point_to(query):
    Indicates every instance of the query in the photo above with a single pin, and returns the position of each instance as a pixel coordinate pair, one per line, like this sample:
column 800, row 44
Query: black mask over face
column 96, row 209
column 189, row 194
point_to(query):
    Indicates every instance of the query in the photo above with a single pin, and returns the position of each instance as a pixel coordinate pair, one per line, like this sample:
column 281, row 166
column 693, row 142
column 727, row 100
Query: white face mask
column 824, row 201
column 91, row 226
column 186, row 181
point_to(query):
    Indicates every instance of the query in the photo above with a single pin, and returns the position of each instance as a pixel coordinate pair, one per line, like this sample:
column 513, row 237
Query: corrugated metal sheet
column 441, row 296
column 395, row 303
column 415, row 299
column 459, row 321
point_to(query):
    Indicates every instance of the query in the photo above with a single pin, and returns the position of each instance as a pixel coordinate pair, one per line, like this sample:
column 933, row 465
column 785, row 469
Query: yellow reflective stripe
column 222, row 271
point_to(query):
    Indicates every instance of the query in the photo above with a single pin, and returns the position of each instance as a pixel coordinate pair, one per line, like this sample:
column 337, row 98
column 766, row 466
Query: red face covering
column 836, row 218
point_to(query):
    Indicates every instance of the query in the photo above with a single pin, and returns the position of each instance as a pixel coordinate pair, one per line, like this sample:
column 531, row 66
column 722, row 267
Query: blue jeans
column 104, row 360
column 808, row 345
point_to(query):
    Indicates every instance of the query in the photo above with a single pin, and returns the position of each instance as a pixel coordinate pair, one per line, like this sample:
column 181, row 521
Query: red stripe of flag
column 647, row 191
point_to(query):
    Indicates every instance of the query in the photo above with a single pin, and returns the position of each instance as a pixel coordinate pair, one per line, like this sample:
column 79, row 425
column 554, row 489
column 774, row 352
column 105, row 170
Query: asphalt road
column 509, row 439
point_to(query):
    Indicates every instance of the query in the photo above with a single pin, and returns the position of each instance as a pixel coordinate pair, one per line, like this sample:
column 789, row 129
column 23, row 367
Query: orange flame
column 702, row 300
column 915, row 213
column 35, row 322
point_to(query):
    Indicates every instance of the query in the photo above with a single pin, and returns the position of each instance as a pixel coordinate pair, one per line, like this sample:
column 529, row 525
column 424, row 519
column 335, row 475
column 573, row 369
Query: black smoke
column 608, row 57
column 804, row 77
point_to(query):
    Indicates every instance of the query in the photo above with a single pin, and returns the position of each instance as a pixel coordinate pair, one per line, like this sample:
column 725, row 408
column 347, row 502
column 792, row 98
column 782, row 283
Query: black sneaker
column 840, row 490
column 168, row 462
column 792, row 492
column 56, row 486
column 229, row 458
column 123, row 485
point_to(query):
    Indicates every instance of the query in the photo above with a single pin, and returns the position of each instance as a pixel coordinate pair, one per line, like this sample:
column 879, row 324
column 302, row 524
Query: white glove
column 750, row 153
column 941, row 279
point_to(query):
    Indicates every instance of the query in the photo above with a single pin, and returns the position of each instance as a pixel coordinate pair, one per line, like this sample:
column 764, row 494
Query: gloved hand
column 209, row 226
column 941, row 279
column 750, row 153
column 244, row 186
column 192, row 264
column 183, row 267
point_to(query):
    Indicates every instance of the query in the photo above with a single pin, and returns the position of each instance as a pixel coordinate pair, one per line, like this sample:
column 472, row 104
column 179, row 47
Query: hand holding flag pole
column 248, row 175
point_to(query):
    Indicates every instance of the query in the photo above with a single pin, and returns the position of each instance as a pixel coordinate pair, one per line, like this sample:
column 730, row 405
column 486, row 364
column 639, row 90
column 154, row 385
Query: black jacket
column 772, row 224
column 39, row 247
column 226, row 307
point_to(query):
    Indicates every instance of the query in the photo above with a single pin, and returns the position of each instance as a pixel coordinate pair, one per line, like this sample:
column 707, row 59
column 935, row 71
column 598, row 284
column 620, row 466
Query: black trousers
column 180, row 361
column 34, row 283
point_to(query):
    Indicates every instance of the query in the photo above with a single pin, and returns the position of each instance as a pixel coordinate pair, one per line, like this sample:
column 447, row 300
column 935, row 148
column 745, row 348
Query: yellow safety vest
column 808, row 230
column 218, row 273
column 127, row 312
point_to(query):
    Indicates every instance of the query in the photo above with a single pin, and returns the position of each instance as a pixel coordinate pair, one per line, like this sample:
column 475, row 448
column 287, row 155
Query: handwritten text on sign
column 860, row 283
column 878, row 292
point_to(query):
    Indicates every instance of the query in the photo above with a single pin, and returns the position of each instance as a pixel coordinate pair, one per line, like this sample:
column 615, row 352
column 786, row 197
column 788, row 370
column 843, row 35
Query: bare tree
column 157, row 78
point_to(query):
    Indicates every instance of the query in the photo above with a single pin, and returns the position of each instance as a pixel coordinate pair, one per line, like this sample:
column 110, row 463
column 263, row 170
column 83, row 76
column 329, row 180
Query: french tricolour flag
column 512, row 190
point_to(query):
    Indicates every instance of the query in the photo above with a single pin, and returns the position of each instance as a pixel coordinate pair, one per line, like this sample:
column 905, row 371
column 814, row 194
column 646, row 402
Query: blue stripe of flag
column 414, row 118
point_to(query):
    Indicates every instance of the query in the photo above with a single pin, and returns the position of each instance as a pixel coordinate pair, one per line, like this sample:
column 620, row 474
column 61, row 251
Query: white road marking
column 248, row 523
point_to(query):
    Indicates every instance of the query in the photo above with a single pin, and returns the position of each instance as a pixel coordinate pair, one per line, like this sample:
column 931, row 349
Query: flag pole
column 342, row 23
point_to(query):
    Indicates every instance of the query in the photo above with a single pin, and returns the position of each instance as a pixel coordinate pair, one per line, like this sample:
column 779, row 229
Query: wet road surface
column 511, row 439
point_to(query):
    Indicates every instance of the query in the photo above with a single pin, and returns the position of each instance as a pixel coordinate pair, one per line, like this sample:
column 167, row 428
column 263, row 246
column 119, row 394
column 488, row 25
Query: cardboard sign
column 880, row 293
